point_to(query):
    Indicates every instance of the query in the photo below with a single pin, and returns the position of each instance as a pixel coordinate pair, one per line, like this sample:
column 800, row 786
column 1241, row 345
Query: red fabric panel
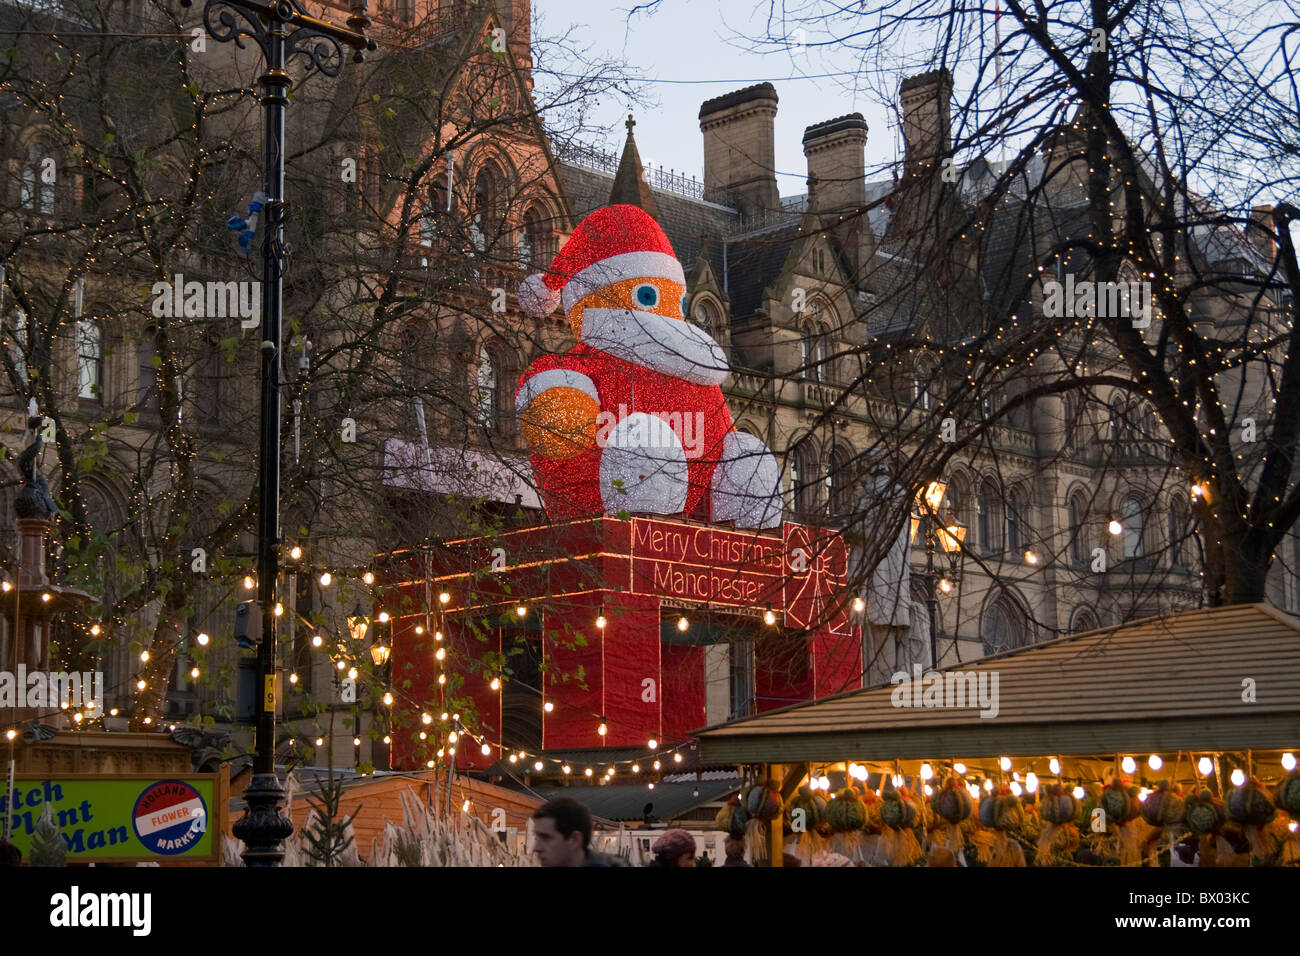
column 837, row 663
column 414, row 680
column 782, row 675
column 631, row 644
column 466, row 650
column 683, row 690
column 573, row 721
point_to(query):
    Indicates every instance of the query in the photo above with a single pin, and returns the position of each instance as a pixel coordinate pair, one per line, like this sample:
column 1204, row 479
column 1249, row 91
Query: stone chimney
column 927, row 121
column 740, row 147
column 1262, row 229
column 835, row 150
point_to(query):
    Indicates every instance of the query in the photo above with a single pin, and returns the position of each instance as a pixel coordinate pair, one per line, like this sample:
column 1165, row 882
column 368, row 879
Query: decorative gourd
column 896, row 811
column 1204, row 813
column 872, row 804
column 951, row 801
column 1120, row 803
column 809, row 806
column 1286, row 794
column 763, row 801
column 1250, row 805
column 1164, row 806
column 732, row 817
column 1001, row 810
column 846, row 812
column 1057, row 804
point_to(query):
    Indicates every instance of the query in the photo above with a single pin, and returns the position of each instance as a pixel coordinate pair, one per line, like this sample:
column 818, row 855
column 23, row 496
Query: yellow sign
column 268, row 693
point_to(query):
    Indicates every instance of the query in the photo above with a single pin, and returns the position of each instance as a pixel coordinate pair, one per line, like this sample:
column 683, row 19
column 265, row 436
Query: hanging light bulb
column 368, row 578
column 439, row 654
column 677, row 758
column 656, row 765
column 602, row 729
column 325, row 579
column 278, row 610
column 1079, row 793
column 1016, row 788
column 316, row 640
column 636, row 768
column 926, row 771
column 683, row 624
column 959, row 768
column 600, row 620
column 537, row 765
column 444, row 597
column 144, row 657
column 768, row 617
column 140, row 684
column 495, row 683
column 897, row 780
column 388, row 699
column 1031, row 782
column 513, row 758
column 1115, row 527
column 652, row 743
column 1154, row 762
column 1288, row 761
column 486, row 750
column 521, row 611
column 566, row 768
column 1054, row 765
column 340, row 665
column 194, row 673
column 1238, row 777
column 295, row 552
column 1128, row 765
column 356, row 741
column 1004, row 763
column 202, row 639
column 548, row 706
column 249, row 583
column 94, row 631
column 387, row 739
column 859, row 605
column 293, row 678
column 451, row 737
column 320, row 741
column 426, row 719
column 352, row 673
column 587, row 772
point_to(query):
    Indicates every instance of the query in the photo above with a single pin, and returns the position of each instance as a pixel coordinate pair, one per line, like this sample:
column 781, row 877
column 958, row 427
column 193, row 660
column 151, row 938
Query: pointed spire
column 630, row 187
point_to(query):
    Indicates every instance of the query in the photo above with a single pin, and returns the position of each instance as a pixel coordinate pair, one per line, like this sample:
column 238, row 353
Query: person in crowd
column 735, row 849
column 675, row 848
column 562, row 835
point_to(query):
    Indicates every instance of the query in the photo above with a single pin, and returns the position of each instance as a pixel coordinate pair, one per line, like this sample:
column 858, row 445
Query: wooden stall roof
column 1157, row 685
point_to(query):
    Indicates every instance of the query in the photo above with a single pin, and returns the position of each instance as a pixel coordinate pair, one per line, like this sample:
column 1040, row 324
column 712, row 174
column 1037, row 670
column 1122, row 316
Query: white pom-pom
column 536, row 297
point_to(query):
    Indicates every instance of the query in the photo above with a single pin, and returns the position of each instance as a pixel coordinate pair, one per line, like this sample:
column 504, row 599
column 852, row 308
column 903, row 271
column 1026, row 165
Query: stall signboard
column 120, row 818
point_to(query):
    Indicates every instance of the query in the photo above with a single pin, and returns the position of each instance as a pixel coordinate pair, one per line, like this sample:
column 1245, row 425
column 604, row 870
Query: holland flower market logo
column 34, row 689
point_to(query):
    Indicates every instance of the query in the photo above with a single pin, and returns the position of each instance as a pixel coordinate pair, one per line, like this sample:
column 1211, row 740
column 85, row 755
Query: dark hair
column 10, row 855
column 569, row 815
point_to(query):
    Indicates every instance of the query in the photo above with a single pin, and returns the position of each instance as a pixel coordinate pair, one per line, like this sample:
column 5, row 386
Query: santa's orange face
column 658, row 296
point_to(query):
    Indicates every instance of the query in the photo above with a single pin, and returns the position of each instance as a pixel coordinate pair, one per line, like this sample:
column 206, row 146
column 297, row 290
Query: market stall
column 1169, row 741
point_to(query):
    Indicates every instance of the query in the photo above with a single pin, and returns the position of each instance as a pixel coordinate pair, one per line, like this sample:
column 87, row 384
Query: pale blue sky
column 693, row 40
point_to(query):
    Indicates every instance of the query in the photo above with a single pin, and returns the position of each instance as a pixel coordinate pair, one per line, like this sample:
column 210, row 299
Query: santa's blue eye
column 647, row 295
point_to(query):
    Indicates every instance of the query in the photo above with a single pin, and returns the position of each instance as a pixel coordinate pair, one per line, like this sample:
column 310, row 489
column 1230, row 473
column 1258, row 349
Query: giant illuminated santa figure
column 632, row 419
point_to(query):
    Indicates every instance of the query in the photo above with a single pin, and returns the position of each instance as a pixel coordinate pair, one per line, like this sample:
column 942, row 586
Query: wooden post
column 776, row 844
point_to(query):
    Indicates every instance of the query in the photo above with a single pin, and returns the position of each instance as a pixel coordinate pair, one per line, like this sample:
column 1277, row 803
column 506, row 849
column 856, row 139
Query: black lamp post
column 282, row 29
column 946, row 536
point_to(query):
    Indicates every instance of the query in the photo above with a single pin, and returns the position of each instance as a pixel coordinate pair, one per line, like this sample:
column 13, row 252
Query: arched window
column 1080, row 539
column 706, row 314
column 1003, row 625
column 533, row 242
column 1018, row 534
column 1179, row 528
column 989, row 509
column 485, row 213
column 90, row 359
column 487, row 410
column 812, row 353
column 1070, row 415
column 1131, row 516
column 840, row 483
column 959, row 498
column 1083, row 619
column 37, row 191
column 803, row 484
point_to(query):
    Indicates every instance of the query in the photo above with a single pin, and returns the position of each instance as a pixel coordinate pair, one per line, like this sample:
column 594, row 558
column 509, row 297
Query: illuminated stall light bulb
column 419, row 629
column 295, row 552
column 609, row 772
column 652, row 743
column 1031, row 782
column 1238, row 777
column 426, row 719
column 1206, row 766
column 537, row 765
column 600, row 621
column 6, row 587
column 1054, row 765
column 566, row 768
column 340, row 665
column 1004, row 763
column 587, row 772
column 451, row 751
column 677, row 758
column 636, row 768
column 368, row 578
column 548, row 706
column 1154, row 762
column 683, row 624
column 148, row 720
column 897, row 780
column 387, row 739
column 1143, row 794
column 959, row 768
column 521, row 611
column 768, row 617
column 203, row 640
column 514, row 758
column 325, row 579
column 603, row 729
column 113, row 712
column 973, row 790
column 1288, row 761
column 437, row 635
column 1128, row 765
column 388, row 700
column 929, row 790
column 442, row 678
column 1016, row 788
column 439, row 654
column 650, row 786
column 485, row 750
column 356, row 741
column 77, row 719
column 1079, row 793
column 444, row 597
column 316, row 640
column 429, row 764
column 988, row 786
column 352, row 673
column 443, row 716
column 859, row 605
column 451, row 737
column 926, row 771
column 383, row 617
column 140, row 684
column 657, row 765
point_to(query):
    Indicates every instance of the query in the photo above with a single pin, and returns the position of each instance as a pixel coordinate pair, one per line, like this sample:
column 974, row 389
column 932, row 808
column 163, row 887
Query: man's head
column 735, row 847
column 561, row 832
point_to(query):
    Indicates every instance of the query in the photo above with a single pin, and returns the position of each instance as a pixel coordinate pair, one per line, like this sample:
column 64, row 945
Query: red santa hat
column 612, row 244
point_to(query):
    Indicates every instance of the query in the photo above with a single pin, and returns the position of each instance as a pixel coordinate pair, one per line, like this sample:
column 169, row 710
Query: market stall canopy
column 460, row 471
column 667, row 802
column 1217, row 679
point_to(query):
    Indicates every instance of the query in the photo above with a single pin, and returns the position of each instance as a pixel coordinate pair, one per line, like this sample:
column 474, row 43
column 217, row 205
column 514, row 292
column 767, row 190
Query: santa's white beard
column 667, row 345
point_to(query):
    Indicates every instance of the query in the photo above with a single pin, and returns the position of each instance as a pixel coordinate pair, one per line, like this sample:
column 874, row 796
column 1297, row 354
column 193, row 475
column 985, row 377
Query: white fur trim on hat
column 536, row 297
column 553, row 378
column 626, row 265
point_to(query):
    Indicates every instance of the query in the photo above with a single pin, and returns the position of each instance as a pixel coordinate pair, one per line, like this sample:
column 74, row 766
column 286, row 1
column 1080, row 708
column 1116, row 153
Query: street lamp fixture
column 358, row 623
column 379, row 652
